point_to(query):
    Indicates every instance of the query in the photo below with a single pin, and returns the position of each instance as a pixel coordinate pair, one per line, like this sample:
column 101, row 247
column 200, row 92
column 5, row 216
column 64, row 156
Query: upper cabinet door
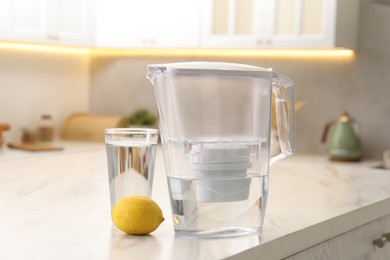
column 302, row 23
column 52, row 21
column 279, row 23
column 234, row 23
column 26, row 20
column 74, row 21
column 2, row 12
column 147, row 23
column 175, row 23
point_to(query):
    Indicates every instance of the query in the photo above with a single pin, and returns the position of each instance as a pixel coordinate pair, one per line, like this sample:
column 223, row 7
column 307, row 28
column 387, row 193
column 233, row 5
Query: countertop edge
column 300, row 240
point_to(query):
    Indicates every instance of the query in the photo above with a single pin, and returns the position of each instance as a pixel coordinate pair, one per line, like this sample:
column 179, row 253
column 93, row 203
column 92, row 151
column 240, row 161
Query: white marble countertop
column 55, row 205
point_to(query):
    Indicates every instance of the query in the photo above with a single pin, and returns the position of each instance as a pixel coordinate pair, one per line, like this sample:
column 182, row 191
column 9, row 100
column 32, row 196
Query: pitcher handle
column 283, row 89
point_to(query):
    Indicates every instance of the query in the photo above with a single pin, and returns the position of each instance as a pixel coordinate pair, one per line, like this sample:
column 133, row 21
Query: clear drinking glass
column 130, row 159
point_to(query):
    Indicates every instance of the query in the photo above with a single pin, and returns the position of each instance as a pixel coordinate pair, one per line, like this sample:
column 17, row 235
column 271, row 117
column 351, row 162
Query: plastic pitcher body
column 215, row 128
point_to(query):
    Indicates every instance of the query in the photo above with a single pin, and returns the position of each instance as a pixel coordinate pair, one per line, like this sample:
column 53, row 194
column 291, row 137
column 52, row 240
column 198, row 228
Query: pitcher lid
column 216, row 68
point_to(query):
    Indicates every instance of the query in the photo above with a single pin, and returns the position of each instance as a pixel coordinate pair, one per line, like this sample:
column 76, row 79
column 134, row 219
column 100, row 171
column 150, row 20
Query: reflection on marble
column 56, row 206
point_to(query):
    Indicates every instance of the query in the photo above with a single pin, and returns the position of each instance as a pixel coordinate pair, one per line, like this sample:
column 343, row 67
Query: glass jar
column 46, row 128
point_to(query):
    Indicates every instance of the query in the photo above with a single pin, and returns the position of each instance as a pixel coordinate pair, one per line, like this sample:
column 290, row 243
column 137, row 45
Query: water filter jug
column 215, row 123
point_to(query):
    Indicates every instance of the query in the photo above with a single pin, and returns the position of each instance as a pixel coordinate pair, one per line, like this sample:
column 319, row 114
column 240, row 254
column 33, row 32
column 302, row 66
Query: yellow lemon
column 137, row 215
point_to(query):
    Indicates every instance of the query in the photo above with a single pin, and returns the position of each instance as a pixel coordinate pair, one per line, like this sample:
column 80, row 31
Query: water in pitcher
column 193, row 217
column 220, row 192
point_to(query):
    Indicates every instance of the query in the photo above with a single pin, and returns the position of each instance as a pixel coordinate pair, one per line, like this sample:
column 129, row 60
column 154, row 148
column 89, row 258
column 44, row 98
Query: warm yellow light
column 223, row 53
column 186, row 53
column 43, row 48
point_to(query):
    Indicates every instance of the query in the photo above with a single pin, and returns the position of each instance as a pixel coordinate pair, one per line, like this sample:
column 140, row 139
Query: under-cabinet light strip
column 212, row 53
column 223, row 53
column 43, row 48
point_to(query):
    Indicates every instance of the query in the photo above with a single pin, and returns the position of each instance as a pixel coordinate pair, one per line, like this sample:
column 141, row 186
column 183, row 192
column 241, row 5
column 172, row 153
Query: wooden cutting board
column 34, row 147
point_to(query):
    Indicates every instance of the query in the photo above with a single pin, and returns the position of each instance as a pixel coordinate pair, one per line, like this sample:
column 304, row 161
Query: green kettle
column 342, row 140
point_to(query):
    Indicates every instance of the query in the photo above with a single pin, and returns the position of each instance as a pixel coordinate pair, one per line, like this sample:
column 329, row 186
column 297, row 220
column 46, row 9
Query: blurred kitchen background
column 108, row 74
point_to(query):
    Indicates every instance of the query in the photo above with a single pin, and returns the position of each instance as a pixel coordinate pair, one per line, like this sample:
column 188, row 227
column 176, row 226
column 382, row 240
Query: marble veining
column 56, row 206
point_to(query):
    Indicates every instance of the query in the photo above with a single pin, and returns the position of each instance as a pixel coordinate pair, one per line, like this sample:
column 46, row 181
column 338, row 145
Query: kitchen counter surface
column 55, row 205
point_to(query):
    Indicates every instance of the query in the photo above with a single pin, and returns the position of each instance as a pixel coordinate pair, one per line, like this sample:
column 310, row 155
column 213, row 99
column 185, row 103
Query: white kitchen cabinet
column 75, row 21
column 355, row 244
column 234, row 23
column 25, row 20
column 147, row 24
column 1, row 18
column 279, row 23
column 50, row 21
